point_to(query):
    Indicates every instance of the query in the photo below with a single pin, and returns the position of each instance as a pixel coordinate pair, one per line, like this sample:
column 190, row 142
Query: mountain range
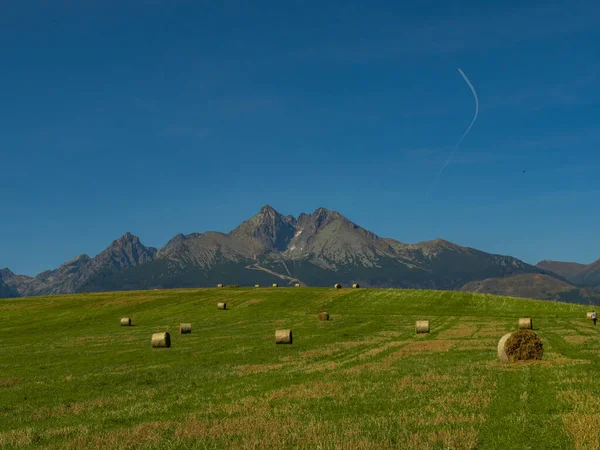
column 316, row 249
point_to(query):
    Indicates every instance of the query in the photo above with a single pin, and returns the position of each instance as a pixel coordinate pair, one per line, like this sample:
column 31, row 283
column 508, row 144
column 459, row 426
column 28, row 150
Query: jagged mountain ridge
column 121, row 254
column 315, row 249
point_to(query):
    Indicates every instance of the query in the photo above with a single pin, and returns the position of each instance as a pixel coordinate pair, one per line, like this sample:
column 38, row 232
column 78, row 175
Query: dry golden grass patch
column 576, row 339
column 317, row 353
column 274, row 431
column 462, row 438
column 583, row 423
column 311, row 391
column 144, row 434
column 389, row 333
column 463, row 330
column 477, row 344
column 429, row 346
column 72, row 408
column 376, row 351
column 247, row 303
column 252, row 369
column 8, row 381
column 28, row 436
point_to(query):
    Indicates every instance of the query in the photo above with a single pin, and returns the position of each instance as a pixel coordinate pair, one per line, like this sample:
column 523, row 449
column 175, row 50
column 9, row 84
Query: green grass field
column 72, row 377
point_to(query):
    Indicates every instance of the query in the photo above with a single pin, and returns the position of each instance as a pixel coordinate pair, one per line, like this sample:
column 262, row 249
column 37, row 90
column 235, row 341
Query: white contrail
column 464, row 134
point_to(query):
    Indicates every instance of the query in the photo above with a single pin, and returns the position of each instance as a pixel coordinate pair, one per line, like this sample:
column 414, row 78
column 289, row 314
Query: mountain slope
column 538, row 286
column 584, row 275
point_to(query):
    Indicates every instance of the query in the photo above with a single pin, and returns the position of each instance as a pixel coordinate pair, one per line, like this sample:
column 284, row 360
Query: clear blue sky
column 167, row 116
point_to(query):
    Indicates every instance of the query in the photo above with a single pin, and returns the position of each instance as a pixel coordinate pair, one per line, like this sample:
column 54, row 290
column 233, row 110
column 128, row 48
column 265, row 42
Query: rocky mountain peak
column 268, row 229
column 6, row 273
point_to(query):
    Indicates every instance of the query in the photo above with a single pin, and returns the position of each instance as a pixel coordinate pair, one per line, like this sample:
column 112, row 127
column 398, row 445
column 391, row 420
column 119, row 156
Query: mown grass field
column 72, row 377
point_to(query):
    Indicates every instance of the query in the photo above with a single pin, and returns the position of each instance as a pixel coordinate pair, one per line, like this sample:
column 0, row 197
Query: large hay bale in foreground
column 161, row 340
column 355, row 286
column 283, row 336
column 525, row 324
column 125, row 322
column 422, row 326
column 323, row 316
column 522, row 345
column 221, row 305
column 185, row 328
column 588, row 316
column 219, row 285
column 337, row 286
column 275, row 285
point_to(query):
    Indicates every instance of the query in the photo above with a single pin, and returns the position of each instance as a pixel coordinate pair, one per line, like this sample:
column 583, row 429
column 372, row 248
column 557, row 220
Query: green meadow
column 72, row 377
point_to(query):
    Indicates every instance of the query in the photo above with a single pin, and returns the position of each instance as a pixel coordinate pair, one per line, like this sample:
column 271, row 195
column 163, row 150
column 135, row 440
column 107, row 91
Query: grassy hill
column 71, row 377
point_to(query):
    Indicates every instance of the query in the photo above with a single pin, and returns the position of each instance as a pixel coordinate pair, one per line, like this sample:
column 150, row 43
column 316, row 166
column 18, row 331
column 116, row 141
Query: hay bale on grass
column 185, row 328
column 522, row 345
column 221, row 305
column 283, row 336
column 323, row 316
column 355, row 286
column 588, row 316
column 297, row 284
column 161, row 340
column 257, row 285
column 125, row 322
column 337, row 286
column 422, row 326
column 219, row 285
column 275, row 285
column 525, row 324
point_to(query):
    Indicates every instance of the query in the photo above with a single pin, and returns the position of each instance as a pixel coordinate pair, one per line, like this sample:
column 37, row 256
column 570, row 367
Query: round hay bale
column 185, row 328
column 522, row 345
column 501, row 348
column 422, row 326
column 219, row 285
column 297, row 284
column 161, row 340
column 221, row 305
column 355, row 286
column 257, row 285
column 589, row 316
column 525, row 324
column 125, row 322
column 323, row 316
column 275, row 285
column 337, row 286
column 283, row 336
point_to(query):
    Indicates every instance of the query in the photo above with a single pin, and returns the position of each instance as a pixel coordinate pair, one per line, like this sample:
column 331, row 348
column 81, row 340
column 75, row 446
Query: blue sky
column 159, row 117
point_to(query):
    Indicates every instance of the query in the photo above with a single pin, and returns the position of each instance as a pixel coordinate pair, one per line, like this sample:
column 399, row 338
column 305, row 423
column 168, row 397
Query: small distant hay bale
column 337, row 286
column 355, row 286
column 275, row 285
column 161, row 340
column 125, row 322
column 185, row 328
column 221, row 305
column 522, row 345
column 422, row 326
column 219, row 285
column 323, row 316
column 297, row 284
column 283, row 336
column 589, row 316
column 525, row 324
column 257, row 285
